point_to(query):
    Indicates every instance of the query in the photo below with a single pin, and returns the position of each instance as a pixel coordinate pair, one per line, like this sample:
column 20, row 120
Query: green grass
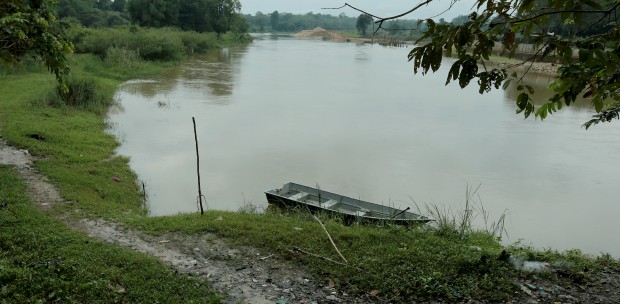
column 401, row 264
column 446, row 262
column 68, row 134
column 77, row 154
column 43, row 261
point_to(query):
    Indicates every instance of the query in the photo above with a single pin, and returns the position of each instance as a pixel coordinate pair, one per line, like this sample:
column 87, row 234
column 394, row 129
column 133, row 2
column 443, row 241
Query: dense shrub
column 197, row 43
column 120, row 53
column 82, row 92
column 79, row 92
column 162, row 44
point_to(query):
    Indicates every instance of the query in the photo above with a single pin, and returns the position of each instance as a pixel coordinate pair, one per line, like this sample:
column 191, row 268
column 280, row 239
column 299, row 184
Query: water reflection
column 312, row 112
column 215, row 71
column 361, row 53
column 540, row 83
column 210, row 75
column 150, row 89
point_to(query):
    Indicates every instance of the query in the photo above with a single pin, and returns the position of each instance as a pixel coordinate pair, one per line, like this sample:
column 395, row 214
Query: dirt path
column 240, row 274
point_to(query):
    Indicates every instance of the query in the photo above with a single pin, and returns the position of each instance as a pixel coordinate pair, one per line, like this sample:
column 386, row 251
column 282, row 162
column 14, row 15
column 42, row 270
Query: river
column 355, row 120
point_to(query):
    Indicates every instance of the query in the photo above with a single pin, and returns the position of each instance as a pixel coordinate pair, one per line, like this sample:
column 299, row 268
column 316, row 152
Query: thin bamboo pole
column 198, row 168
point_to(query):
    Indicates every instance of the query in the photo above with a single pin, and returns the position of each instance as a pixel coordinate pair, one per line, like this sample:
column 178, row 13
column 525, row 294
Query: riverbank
column 264, row 258
column 424, row 264
column 44, row 260
column 323, row 34
column 512, row 64
column 501, row 62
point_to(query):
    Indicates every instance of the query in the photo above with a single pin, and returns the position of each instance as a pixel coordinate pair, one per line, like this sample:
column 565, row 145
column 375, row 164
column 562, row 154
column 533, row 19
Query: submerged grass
column 43, row 261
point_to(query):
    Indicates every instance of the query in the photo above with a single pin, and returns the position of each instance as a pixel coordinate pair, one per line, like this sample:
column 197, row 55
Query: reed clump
column 461, row 223
column 81, row 92
column 117, row 56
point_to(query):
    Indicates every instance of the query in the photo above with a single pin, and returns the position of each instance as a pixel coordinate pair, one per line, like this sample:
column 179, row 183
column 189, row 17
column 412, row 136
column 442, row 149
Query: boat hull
column 295, row 196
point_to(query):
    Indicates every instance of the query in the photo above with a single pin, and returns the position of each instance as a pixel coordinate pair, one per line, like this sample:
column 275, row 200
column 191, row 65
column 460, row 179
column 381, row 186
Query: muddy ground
column 247, row 275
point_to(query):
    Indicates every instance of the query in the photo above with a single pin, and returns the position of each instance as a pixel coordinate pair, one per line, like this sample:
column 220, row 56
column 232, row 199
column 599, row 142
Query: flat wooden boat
column 293, row 195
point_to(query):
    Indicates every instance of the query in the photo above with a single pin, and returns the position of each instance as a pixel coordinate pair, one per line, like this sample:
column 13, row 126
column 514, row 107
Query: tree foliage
column 217, row 16
column 363, row 21
column 401, row 29
column 274, row 19
column 287, row 22
column 582, row 37
column 27, row 28
column 94, row 13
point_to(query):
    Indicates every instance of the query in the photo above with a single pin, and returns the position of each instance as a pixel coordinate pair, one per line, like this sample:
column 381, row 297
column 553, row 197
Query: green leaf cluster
column 588, row 55
column 27, row 28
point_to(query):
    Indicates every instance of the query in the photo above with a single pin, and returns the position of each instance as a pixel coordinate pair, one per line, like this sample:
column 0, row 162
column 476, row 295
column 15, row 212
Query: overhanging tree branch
column 515, row 21
column 383, row 19
column 353, row 7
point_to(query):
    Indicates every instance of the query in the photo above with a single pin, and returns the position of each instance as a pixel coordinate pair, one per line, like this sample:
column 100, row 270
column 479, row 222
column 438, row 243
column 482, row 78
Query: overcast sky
column 381, row 8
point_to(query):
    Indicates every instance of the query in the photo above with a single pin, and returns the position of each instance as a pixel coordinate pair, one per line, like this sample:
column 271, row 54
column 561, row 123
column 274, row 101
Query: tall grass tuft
column 460, row 223
column 116, row 56
column 82, row 92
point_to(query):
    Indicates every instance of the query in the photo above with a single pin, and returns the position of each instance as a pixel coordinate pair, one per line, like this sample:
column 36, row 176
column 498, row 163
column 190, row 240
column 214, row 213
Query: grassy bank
column 67, row 130
column 76, row 152
column 393, row 263
column 42, row 260
column 453, row 263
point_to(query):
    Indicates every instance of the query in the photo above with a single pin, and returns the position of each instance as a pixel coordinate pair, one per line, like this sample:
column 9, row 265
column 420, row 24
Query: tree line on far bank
column 288, row 23
column 217, row 16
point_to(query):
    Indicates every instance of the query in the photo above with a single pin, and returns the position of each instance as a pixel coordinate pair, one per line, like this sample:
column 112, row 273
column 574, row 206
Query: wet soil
column 243, row 274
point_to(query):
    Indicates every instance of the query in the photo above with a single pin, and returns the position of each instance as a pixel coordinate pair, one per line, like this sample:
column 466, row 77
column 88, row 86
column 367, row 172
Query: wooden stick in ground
column 144, row 203
column 330, row 238
column 198, row 167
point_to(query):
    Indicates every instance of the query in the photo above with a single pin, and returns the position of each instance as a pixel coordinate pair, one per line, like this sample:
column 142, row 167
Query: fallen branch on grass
column 297, row 249
column 330, row 239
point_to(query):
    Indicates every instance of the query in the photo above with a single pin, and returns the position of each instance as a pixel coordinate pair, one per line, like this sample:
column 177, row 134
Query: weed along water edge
column 354, row 119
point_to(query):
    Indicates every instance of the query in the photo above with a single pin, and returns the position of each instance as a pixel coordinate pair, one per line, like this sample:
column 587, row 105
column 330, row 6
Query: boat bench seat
column 354, row 213
column 330, row 203
column 299, row 196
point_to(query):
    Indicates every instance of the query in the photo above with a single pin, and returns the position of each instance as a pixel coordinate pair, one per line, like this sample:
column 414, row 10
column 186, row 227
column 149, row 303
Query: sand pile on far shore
column 320, row 33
